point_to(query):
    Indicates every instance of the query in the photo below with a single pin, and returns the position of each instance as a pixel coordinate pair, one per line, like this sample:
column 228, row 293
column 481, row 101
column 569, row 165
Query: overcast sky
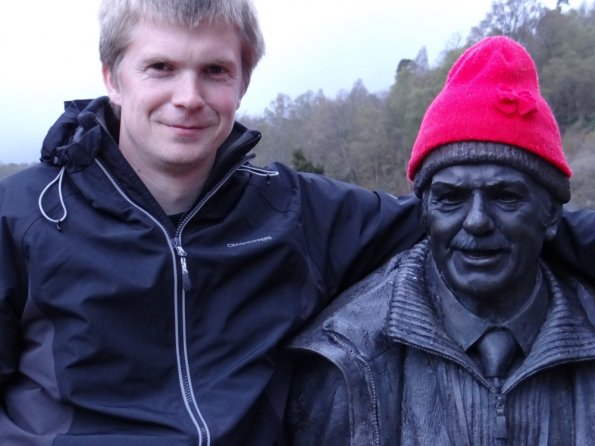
column 49, row 52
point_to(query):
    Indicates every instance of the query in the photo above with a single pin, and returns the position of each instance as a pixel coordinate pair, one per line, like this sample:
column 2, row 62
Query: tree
column 366, row 138
column 516, row 19
column 303, row 164
column 9, row 169
column 563, row 51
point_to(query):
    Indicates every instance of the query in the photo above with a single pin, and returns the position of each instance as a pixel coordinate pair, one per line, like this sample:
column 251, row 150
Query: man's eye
column 159, row 66
column 215, row 69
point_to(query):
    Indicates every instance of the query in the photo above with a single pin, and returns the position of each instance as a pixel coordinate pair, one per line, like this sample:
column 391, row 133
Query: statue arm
column 574, row 243
column 318, row 408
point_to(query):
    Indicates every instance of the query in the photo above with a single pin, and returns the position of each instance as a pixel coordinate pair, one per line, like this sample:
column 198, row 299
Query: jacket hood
column 88, row 131
column 71, row 141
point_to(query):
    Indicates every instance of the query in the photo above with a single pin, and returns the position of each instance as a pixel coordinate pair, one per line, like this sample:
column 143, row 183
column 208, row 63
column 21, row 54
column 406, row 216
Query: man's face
column 487, row 224
column 178, row 90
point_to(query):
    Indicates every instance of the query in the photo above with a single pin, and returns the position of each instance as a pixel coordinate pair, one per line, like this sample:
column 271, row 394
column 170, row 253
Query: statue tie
column 497, row 349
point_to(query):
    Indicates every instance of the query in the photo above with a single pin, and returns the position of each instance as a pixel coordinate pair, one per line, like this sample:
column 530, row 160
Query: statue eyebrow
column 496, row 183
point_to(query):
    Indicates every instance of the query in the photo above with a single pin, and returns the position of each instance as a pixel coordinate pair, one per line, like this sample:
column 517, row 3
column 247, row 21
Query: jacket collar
column 466, row 328
column 412, row 319
column 88, row 131
column 566, row 335
column 73, row 139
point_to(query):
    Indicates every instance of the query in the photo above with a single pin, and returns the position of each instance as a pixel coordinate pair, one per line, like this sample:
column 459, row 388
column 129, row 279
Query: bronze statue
column 470, row 337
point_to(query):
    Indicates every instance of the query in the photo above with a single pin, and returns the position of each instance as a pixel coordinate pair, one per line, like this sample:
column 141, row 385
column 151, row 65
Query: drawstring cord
column 259, row 172
column 58, row 179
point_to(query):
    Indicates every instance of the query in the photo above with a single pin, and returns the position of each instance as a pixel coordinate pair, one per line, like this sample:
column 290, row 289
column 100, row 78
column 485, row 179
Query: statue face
column 487, row 224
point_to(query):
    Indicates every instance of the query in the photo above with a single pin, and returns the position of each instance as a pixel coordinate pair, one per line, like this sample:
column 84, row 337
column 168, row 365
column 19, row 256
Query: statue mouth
column 480, row 253
column 481, row 258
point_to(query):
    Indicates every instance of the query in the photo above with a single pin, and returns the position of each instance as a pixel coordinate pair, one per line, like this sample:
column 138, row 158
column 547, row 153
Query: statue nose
column 478, row 219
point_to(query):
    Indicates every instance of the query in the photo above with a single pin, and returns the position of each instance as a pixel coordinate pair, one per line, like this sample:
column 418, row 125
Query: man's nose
column 188, row 92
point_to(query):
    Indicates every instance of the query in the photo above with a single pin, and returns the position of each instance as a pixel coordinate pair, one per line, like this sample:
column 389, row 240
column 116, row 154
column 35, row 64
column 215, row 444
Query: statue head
column 489, row 166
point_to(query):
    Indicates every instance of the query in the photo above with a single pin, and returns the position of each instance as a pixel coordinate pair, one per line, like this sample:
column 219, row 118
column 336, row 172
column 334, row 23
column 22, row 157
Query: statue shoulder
column 356, row 319
column 582, row 288
column 586, row 294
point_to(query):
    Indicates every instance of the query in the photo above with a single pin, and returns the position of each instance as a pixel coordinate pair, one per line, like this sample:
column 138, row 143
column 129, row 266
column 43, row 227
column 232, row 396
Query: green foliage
column 516, row 19
column 9, row 169
column 565, row 56
column 579, row 142
column 366, row 138
column 303, row 164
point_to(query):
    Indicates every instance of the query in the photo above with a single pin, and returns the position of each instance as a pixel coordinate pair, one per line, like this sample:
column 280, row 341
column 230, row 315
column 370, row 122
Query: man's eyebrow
column 154, row 57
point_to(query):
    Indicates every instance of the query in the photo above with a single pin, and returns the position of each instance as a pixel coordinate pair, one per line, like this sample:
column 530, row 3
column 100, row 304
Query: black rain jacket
column 119, row 327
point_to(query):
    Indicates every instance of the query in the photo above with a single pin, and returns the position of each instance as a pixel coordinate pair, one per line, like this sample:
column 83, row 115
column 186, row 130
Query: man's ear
column 111, row 85
column 241, row 96
column 552, row 220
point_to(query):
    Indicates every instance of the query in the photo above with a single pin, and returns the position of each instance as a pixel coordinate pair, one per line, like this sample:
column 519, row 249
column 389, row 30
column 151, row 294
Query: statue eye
column 506, row 196
column 452, row 197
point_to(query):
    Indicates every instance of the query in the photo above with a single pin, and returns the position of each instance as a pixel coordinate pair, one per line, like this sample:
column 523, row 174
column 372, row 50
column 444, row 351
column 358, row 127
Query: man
column 149, row 273
column 469, row 338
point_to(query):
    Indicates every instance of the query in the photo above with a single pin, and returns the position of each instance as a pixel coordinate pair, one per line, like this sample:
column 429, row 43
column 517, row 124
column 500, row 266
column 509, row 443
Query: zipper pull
column 185, row 275
column 501, row 430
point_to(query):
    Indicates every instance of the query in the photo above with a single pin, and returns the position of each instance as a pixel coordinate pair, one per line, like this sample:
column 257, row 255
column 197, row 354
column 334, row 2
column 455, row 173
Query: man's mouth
column 186, row 126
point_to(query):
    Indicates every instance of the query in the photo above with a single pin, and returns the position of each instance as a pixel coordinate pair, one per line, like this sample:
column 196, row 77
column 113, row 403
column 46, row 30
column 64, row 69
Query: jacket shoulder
column 338, row 394
column 18, row 189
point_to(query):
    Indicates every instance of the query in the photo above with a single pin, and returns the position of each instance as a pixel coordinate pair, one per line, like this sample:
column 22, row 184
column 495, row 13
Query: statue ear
column 552, row 220
column 423, row 213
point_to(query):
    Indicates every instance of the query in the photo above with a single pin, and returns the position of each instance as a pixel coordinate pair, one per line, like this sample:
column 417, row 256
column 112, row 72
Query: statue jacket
column 378, row 368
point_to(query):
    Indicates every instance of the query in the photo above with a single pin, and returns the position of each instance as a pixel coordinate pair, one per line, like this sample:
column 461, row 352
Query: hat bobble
column 492, row 94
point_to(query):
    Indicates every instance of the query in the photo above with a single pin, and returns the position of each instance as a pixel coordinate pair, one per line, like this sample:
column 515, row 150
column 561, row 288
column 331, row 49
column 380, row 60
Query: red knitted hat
column 492, row 95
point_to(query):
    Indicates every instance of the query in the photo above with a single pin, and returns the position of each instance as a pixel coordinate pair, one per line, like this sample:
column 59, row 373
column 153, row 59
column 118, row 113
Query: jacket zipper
column 183, row 264
column 184, row 366
column 178, row 253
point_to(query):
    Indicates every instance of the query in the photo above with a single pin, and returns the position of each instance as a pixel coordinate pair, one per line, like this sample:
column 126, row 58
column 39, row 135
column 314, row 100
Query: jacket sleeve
column 318, row 409
column 350, row 231
column 10, row 307
column 574, row 244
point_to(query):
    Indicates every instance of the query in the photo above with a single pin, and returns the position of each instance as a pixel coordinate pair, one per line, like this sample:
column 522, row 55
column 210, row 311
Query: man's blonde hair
column 117, row 18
